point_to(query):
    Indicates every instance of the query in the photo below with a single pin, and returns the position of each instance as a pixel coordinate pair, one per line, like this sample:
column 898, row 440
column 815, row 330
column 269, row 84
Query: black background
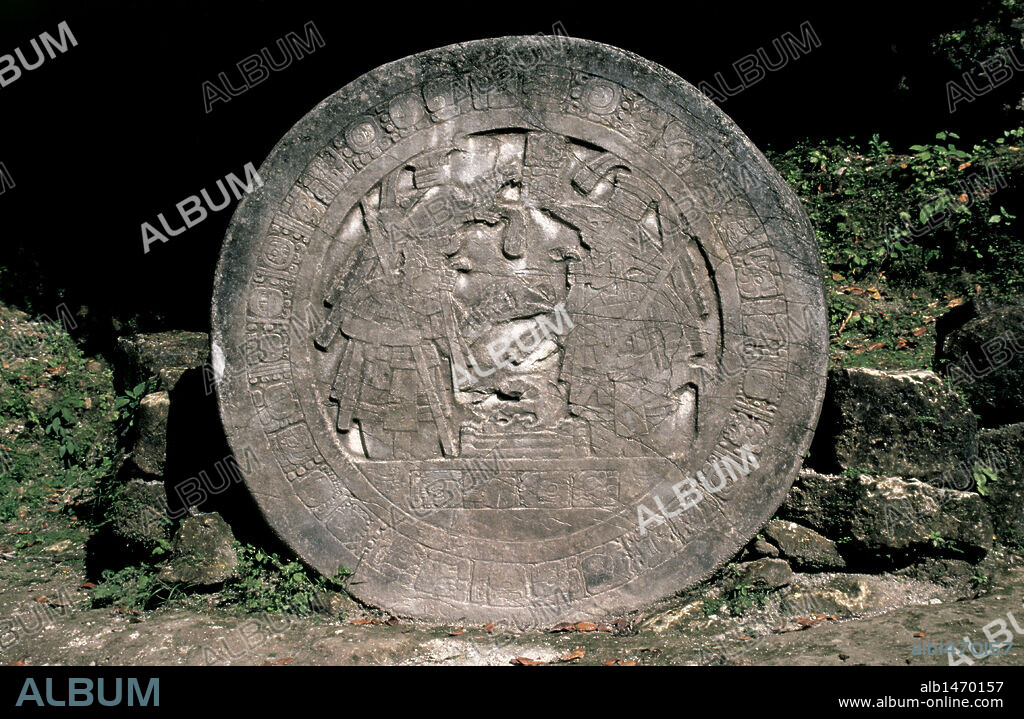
column 109, row 134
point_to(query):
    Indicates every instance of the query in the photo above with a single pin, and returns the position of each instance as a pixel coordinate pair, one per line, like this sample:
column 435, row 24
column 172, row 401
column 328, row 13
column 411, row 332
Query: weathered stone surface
column 334, row 604
column 759, row 548
column 805, row 549
column 138, row 514
column 476, row 323
column 163, row 355
column 764, row 573
column 965, row 579
column 203, row 552
column 149, row 448
column 1002, row 452
column 981, row 351
column 844, row 595
column 890, row 519
column 905, row 424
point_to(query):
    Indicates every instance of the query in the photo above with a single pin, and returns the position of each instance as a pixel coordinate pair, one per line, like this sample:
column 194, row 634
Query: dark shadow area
column 821, row 457
column 202, row 472
column 121, row 117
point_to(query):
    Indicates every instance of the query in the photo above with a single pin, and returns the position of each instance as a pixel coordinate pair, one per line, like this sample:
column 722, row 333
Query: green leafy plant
column 59, row 423
column 711, row 606
column 135, row 587
column 982, row 476
column 744, row 597
column 906, row 235
column 263, row 582
column 127, row 405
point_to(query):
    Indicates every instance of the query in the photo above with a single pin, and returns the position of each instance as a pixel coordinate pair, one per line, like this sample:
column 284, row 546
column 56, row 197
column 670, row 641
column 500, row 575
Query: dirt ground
column 46, row 619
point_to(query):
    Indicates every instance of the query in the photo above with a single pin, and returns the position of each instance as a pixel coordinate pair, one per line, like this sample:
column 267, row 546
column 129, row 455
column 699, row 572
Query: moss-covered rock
column 163, row 355
column 149, row 445
column 203, row 552
column 890, row 520
column 805, row 549
column 1001, row 453
column 764, row 573
column 982, row 354
column 904, row 424
column 137, row 514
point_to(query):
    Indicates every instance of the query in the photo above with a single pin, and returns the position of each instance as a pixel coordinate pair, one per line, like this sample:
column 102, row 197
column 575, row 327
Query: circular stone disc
column 521, row 329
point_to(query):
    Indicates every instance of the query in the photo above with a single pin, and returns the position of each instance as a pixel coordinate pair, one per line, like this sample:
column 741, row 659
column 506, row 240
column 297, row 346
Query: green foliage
column 990, row 29
column 711, row 606
column 60, row 423
column 162, row 548
column 906, row 235
column 56, row 417
column 127, row 405
column 263, row 582
column 982, row 476
column 880, row 212
column 135, row 587
column 737, row 600
column 743, row 597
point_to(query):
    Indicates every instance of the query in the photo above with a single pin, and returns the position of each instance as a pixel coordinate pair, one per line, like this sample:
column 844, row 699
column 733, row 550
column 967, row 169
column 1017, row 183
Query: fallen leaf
column 918, row 331
column 836, row 277
column 744, row 637
column 489, row 627
column 363, row 621
column 282, row 661
column 919, row 634
column 875, row 346
column 391, row 622
column 87, row 585
column 585, row 627
column 577, row 653
column 19, row 663
column 456, row 632
column 41, row 599
column 964, row 165
column 617, row 662
column 563, row 627
column 525, row 662
column 955, row 302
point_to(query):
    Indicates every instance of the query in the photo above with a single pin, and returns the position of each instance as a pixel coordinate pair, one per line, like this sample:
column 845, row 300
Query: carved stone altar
column 493, row 299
